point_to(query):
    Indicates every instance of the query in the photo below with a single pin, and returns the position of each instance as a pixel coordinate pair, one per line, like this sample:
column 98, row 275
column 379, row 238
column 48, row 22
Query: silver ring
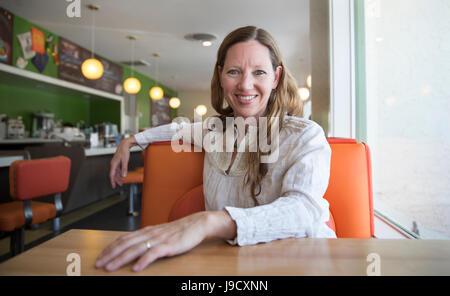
column 148, row 245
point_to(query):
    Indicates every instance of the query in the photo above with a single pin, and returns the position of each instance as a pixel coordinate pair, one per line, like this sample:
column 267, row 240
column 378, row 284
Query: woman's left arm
column 164, row 240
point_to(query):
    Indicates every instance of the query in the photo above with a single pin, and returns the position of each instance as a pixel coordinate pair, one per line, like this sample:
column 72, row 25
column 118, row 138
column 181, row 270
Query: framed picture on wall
column 160, row 112
column 6, row 35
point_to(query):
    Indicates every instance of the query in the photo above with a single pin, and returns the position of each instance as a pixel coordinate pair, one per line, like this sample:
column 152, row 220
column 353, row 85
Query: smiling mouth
column 246, row 99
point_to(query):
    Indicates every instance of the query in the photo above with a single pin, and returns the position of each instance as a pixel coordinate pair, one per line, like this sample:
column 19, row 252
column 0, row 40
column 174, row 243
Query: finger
column 118, row 246
column 124, row 163
column 126, row 257
column 124, row 241
column 151, row 255
column 118, row 178
column 113, row 172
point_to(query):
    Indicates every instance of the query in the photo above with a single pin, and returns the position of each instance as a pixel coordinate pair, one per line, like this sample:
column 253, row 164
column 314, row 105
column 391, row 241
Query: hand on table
column 165, row 240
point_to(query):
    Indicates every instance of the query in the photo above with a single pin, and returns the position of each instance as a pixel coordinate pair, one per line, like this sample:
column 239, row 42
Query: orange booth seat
column 30, row 179
column 173, row 188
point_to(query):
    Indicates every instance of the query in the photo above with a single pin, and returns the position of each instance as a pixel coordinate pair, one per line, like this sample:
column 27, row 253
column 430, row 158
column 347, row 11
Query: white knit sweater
column 291, row 202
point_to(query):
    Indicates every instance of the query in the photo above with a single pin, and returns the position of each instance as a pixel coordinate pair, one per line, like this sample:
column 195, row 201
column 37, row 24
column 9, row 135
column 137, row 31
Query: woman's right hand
column 119, row 162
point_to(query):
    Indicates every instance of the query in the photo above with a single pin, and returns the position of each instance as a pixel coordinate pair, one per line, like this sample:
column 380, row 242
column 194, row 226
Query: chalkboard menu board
column 160, row 110
column 6, row 35
column 71, row 56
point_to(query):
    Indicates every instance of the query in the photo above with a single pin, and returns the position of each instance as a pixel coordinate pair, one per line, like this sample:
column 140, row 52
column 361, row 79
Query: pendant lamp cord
column 93, row 34
column 132, row 56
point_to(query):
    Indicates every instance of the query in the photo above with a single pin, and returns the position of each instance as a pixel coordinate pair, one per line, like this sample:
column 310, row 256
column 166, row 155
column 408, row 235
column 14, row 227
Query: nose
column 246, row 81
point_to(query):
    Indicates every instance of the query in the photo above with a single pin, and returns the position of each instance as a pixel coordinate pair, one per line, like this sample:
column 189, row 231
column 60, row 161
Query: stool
column 132, row 179
column 29, row 179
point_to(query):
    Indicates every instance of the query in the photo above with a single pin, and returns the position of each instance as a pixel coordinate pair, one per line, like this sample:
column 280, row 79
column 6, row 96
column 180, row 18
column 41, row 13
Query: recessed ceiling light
column 205, row 38
column 206, row 43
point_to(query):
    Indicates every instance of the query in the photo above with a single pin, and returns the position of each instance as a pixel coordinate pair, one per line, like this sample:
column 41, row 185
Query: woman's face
column 248, row 78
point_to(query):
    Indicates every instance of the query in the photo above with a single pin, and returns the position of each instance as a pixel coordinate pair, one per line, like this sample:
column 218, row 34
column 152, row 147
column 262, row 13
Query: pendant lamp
column 132, row 85
column 156, row 92
column 174, row 103
column 92, row 68
column 303, row 93
column 201, row 110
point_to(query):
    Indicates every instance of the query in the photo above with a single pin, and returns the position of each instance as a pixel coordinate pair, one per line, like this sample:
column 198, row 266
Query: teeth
column 246, row 98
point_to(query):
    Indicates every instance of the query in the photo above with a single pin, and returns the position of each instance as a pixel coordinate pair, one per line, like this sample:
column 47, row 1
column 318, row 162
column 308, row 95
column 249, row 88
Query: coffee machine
column 107, row 134
column 43, row 124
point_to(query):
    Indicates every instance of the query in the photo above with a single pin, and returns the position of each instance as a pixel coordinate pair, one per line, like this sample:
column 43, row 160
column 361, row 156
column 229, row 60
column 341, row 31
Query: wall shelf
column 9, row 73
column 14, row 76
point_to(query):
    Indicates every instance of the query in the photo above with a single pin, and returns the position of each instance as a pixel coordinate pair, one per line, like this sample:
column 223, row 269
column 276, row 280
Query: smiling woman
column 247, row 200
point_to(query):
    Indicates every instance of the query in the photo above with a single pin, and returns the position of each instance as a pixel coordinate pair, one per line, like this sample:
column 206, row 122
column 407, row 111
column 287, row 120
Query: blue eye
column 260, row 72
column 232, row 72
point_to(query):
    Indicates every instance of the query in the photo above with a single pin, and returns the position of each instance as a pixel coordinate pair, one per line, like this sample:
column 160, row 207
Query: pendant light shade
column 92, row 69
column 303, row 93
column 156, row 93
column 132, row 85
column 201, row 110
column 174, row 103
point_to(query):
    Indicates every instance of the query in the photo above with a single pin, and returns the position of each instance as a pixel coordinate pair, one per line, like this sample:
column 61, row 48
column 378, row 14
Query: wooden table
column 282, row 257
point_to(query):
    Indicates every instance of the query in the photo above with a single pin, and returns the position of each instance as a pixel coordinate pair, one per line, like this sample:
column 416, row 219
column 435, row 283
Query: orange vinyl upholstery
column 135, row 176
column 349, row 190
column 12, row 214
column 173, row 187
column 38, row 177
column 168, row 176
column 31, row 179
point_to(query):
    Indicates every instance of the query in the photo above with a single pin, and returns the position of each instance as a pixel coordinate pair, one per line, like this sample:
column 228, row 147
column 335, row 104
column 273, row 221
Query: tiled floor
column 108, row 214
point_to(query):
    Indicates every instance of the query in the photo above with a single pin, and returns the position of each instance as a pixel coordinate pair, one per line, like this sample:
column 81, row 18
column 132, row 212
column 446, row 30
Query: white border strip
column 342, row 68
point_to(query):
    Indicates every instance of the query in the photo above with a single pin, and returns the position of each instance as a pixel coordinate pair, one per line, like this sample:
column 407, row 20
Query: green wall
column 23, row 101
column 70, row 107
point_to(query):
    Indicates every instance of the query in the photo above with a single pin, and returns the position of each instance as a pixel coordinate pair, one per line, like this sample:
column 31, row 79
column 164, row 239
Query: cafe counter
column 89, row 174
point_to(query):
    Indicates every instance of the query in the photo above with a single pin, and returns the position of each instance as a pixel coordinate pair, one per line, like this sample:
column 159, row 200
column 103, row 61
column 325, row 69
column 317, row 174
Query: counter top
column 5, row 161
column 33, row 141
column 108, row 150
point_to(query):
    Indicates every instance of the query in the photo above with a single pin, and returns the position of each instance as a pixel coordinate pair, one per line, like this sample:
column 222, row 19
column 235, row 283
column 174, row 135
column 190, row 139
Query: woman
column 247, row 200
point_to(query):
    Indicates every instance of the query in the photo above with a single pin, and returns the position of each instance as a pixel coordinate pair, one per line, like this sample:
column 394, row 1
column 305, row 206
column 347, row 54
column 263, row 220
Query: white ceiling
column 160, row 26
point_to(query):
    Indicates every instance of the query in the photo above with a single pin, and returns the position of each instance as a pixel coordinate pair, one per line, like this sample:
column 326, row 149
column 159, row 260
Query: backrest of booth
column 173, row 186
column 167, row 177
column 349, row 190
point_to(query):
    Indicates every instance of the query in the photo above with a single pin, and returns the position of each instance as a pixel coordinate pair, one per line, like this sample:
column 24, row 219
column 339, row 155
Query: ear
column 278, row 73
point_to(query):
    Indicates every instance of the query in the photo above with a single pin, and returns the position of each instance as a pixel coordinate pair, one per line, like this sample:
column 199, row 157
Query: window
column 407, row 69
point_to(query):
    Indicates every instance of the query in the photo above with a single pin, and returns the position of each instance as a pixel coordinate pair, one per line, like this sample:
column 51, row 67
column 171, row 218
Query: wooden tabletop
column 282, row 257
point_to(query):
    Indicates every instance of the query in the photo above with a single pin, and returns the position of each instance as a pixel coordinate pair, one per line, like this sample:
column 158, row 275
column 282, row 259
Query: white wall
column 191, row 99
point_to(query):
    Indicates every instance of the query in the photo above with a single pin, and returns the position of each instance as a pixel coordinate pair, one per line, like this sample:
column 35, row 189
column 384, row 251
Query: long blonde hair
column 283, row 100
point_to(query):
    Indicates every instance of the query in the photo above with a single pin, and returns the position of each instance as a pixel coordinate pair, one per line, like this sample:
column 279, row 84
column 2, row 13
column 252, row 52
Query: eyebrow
column 257, row 66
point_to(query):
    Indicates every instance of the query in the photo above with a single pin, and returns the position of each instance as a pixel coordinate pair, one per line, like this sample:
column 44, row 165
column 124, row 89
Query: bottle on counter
column 3, row 126
column 16, row 128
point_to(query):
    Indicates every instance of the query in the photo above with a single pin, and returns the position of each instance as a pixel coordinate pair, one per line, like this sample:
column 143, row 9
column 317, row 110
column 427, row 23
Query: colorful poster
column 6, row 36
column 26, row 45
column 40, row 61
column 38, row 40
column 160, row 110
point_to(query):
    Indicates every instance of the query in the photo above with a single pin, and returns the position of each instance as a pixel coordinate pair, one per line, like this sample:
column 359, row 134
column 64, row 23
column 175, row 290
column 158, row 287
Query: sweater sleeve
column 188, row 132
column 301, row 210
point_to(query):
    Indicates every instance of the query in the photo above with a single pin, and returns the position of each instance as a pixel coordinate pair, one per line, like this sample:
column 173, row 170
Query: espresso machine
column 107, row 133
column 43, row 124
